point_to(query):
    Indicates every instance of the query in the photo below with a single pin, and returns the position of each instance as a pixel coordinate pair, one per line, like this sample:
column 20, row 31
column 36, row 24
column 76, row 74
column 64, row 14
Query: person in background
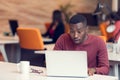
column 103, row 28
column 116, row 32
column 111, row 19
column 118, row 12
column 79, row 40
column 57, row 26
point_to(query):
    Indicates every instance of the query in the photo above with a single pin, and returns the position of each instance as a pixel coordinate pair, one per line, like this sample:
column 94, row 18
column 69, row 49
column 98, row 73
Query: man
column 79, row 39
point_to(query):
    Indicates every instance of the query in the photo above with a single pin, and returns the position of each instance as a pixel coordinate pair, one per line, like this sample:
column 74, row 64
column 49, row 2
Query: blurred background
column 34, row 13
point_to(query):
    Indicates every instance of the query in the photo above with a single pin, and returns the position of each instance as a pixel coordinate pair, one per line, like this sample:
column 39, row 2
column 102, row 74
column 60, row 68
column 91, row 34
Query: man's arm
column 103, row 62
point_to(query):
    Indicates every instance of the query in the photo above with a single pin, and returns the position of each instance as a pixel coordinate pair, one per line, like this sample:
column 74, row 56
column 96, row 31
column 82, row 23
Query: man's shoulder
column 65, row 35
column 93, row 37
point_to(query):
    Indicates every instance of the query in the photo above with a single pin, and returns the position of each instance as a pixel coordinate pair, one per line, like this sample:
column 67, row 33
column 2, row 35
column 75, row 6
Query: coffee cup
column 24, row 67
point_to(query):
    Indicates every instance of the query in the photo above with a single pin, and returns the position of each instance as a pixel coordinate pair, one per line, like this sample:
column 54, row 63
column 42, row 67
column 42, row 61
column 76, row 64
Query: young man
column 79, row 39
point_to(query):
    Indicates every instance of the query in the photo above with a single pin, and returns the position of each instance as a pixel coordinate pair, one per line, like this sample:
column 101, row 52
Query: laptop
column 66, row 64
column 13, row 26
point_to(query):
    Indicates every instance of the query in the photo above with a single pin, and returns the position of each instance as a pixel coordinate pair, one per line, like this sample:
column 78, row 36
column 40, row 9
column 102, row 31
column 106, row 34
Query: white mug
column 24, row 67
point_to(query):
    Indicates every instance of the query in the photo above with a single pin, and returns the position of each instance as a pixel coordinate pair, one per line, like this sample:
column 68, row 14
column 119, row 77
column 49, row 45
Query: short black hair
column 78, row 18
column 57, row 16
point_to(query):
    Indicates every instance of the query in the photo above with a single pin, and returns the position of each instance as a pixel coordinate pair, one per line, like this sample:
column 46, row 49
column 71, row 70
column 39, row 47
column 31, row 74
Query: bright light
column 110, row 28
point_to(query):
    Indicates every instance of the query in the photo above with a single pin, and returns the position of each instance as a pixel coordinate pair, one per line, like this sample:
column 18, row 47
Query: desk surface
column 15, row 39
column 8, row 71
column 8, row 39
column 114, row 56
column 111, row 55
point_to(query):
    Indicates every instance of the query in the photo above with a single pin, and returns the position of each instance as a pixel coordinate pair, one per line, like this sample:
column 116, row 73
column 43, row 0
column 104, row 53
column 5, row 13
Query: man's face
column 78, row 32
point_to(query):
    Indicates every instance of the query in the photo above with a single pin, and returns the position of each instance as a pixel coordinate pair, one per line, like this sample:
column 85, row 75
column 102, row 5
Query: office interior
column 35, row 13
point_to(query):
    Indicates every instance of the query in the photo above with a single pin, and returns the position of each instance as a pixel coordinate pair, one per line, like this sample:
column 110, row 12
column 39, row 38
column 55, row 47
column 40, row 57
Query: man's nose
column 76, row 34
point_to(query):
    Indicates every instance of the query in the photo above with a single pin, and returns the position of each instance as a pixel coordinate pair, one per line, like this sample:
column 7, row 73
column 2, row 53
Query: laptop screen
column 13, row 26
column 66, row 63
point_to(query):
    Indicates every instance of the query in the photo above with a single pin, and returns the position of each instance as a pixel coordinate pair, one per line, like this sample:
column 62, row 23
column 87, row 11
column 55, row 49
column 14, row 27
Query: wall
column 37, row 12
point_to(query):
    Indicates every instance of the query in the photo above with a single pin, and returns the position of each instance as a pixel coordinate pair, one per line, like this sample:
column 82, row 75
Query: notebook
column 66, row 63
column 13, row 26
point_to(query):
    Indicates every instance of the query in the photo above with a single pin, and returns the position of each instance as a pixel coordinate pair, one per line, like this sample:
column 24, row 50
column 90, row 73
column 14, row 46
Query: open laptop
column 13, row 26
column 66, row 63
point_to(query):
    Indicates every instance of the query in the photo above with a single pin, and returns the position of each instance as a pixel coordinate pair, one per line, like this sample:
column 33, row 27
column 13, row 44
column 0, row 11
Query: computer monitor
column 13, row 26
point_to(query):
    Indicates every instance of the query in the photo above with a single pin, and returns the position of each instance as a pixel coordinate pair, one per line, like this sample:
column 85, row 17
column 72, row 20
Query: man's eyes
column 76, row 31
column 79, row 31
column 72, row 31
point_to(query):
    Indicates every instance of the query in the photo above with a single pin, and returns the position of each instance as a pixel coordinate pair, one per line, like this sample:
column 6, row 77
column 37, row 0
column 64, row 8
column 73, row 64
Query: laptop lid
column 66, row 63
column 13, row 26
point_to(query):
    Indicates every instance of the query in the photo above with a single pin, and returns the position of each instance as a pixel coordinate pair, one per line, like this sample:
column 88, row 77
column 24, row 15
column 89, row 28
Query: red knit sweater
column 95, row 47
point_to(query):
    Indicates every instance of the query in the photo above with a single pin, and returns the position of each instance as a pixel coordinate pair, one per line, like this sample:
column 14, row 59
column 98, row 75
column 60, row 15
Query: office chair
column 30, row 40
column 47, row 25
column 103, row 38
column 103, row 27
column 67, row 30
column 103, row 31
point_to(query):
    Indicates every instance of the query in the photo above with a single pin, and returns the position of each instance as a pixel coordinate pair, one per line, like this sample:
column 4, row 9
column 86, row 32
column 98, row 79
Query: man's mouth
column 76, row 39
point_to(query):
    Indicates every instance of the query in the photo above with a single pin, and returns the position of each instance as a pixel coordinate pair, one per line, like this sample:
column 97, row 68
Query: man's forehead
column 78, row 25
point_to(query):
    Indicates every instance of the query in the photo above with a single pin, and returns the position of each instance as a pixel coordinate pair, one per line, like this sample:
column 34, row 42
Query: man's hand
column 91, row 71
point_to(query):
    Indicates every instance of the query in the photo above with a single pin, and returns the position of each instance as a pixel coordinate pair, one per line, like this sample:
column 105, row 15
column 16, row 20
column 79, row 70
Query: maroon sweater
column 95, row 47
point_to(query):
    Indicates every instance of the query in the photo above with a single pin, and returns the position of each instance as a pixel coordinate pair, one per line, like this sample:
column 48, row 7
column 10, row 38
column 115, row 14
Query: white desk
column 114, row 59
column 47, row 39
column 8, row 71
column 6, row 40
column 15, row 38
column 11, row 40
